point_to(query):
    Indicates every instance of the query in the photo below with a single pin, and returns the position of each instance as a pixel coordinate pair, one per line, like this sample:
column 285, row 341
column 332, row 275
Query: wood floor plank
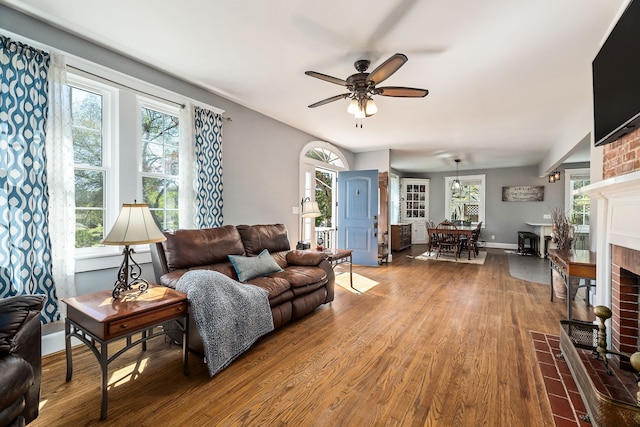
column 433, row 344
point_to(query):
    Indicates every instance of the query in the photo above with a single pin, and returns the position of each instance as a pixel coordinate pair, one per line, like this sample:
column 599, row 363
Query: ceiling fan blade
column 388, row 67
column 328, row 100
column 402, row 92
column 326, row 78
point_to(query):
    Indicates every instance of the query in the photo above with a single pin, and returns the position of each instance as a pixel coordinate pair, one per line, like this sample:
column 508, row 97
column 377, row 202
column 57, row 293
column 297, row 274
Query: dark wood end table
column 97, row 319
column 570, row 263
column 340, row 256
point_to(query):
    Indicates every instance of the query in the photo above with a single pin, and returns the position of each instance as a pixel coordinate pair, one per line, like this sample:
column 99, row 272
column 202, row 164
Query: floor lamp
column 310, row 209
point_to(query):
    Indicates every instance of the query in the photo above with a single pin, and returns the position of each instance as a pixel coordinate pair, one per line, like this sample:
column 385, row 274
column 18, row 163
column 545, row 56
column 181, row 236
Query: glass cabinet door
column 415, row 196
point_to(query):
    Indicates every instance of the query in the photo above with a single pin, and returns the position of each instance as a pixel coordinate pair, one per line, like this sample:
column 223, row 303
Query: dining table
column 462, row 230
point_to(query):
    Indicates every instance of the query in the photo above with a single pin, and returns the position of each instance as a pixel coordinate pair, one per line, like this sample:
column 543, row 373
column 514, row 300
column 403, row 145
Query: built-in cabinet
column 414, row 207
column 400, row 236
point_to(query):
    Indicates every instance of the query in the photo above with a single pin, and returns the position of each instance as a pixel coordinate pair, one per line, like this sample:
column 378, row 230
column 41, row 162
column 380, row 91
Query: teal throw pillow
column 250, row 267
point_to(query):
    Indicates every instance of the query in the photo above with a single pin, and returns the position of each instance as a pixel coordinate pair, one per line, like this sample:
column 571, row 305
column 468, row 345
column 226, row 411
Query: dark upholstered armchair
column 20, row 359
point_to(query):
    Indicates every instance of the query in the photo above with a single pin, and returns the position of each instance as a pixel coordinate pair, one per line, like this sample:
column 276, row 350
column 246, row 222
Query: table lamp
column 134, row 226
column 310, row 209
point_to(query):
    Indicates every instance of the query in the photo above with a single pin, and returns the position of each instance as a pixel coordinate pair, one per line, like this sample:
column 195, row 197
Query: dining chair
column 433, row 236
column 473, row 242
column 448, row 243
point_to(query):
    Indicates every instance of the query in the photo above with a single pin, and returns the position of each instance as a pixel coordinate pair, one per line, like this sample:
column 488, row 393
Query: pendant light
column 455, row 185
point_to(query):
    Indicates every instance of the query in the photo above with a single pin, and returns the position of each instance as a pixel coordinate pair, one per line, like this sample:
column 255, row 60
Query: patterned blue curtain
column 208, row 149
column 25, row 247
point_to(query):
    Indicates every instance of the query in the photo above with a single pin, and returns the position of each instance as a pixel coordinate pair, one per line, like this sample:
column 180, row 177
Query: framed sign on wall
column 523, row 193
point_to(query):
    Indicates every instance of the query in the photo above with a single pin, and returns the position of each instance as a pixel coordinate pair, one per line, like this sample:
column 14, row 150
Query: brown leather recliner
column 305, row 282
column 20, row 359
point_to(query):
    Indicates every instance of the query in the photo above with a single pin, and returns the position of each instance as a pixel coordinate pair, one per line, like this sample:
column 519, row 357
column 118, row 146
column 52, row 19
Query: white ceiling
column 508, row 79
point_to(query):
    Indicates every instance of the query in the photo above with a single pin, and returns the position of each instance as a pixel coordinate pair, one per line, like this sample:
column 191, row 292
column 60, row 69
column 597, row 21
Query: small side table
column 340, row 256
column 97, row 319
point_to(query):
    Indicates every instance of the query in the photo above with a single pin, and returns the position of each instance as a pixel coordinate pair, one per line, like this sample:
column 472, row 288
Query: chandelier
column 456, row 187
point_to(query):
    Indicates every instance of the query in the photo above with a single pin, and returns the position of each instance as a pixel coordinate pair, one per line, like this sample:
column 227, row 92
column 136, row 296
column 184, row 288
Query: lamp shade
column 353, row 106
column 370, row 107
column 310, row 209
column 134, row 226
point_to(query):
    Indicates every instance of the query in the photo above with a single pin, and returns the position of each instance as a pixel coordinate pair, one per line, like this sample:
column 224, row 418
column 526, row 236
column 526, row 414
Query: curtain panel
column 208, row 153
column 25, row 246
column 60, row 179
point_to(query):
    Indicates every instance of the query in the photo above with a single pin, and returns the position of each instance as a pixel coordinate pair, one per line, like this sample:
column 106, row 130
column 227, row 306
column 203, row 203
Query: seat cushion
column 303, row 279
column 279, row 289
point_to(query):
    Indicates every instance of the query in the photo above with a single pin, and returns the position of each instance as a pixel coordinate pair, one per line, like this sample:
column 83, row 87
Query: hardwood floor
column 434, row 344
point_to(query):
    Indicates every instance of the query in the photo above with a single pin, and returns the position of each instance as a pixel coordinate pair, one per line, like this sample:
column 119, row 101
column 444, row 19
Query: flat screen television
column 616, row 79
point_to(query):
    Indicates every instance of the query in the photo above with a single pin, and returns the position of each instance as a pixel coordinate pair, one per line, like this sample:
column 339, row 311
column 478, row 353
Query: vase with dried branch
column 562, row 230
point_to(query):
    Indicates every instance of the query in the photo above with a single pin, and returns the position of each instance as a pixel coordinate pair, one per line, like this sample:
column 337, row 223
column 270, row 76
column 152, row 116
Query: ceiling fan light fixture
column 353, row 106
column 370, row 108
column 362, row 86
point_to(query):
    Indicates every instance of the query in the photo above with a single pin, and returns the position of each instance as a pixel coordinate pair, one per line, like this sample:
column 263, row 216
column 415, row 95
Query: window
column 325, row 196
column 325, row 155
column 578, row 206
column 468, row 205
column 160, row 141
column 90, row 134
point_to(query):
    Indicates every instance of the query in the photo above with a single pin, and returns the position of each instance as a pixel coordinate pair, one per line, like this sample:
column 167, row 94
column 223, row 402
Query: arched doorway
column 320, row 163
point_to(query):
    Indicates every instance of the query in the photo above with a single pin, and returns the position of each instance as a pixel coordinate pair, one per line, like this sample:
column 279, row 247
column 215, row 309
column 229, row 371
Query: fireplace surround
column 615, row 209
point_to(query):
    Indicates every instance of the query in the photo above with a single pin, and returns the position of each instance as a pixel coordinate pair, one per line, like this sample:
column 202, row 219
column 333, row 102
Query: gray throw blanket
column 230, row 316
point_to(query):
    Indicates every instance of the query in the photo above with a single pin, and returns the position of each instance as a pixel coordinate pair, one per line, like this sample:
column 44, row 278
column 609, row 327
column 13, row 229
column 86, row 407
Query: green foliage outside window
column 160, row 166
column 324, row 197
column 86, row 128
column 469, row 195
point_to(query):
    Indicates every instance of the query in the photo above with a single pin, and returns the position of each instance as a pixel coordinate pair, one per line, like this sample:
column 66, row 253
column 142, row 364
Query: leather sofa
column 20, row 359
column 305, row 282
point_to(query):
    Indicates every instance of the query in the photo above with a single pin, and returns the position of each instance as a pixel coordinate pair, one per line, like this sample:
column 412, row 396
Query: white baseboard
column 512, row 246
column 54, row 342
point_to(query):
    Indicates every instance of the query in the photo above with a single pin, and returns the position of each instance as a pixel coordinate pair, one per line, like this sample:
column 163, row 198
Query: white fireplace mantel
column 616, row 205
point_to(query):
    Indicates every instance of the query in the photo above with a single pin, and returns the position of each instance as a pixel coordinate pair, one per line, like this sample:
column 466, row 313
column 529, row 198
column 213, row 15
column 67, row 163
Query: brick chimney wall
column 622, row 156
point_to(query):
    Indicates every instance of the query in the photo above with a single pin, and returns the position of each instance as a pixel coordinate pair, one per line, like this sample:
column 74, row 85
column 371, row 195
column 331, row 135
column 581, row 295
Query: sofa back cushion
column 192, row 248
column 256, row 238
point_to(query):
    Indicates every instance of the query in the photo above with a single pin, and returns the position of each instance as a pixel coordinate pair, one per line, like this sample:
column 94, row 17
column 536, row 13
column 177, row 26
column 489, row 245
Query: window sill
column 103, row 261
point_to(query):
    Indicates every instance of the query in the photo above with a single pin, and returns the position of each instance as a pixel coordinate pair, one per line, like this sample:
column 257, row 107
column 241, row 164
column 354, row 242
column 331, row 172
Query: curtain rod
column 127, row 87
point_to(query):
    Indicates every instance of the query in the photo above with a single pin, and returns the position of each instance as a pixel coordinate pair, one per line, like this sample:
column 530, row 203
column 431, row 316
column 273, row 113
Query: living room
column 262, row 153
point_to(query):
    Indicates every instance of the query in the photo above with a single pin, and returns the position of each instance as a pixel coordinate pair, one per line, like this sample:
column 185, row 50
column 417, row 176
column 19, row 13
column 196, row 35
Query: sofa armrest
column 20, row 336
column 305, row 257
column 158, row 260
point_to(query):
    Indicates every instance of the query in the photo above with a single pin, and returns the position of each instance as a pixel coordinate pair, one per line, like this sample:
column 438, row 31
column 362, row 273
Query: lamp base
column 129, row 270
column 122, row 287
column 301, row 246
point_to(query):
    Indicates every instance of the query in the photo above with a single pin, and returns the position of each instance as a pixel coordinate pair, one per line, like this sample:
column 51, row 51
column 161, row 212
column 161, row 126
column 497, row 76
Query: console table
column 572, row 263
column 97, row 320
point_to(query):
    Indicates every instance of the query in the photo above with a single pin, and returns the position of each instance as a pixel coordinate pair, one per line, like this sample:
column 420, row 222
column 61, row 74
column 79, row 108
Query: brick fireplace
column 625, row 275
column 617, row 203
column 614, row 212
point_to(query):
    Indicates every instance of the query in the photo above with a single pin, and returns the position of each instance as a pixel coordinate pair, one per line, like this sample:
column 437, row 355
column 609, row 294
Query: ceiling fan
column 362, row 86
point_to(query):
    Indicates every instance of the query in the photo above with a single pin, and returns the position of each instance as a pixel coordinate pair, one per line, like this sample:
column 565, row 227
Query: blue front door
column 358, row 215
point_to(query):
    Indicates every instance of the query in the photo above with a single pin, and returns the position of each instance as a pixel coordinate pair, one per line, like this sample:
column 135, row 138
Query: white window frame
column 481, row 194
column 568, row 193
column 161, row 107
column 110, row 165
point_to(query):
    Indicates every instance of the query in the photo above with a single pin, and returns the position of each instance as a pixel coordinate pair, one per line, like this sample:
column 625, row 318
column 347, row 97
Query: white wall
column 380, row 160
